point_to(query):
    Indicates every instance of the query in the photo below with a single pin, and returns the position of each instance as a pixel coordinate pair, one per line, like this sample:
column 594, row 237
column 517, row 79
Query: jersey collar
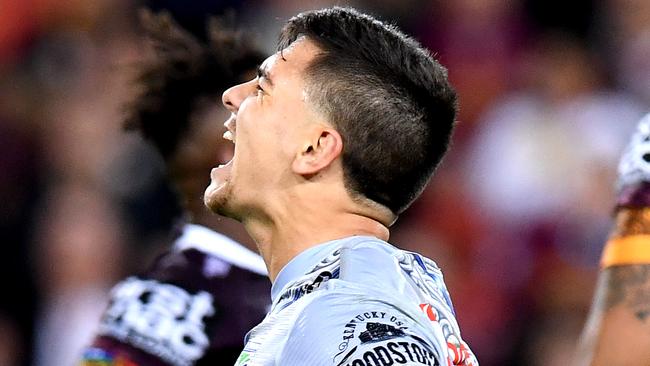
column 302, row 264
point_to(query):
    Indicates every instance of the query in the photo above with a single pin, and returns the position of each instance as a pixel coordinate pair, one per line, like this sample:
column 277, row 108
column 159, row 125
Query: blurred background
column 516, row 216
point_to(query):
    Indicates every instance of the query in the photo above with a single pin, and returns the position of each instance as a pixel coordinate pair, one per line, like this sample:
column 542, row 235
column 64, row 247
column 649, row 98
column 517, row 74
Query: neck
column 298, row 225
column 193, row 206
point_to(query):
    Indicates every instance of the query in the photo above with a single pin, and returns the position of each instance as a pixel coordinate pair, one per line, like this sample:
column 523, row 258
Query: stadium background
column 516, row 215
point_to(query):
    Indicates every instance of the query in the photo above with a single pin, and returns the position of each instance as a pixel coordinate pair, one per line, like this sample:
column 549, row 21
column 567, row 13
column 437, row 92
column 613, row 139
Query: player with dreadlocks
column 197, row 301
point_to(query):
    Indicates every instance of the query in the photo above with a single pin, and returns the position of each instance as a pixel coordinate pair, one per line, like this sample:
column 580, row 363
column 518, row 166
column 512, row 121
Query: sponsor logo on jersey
column 301, row 289
column 161, row 319
column 377, row 338
column 380, row 338
column 379, row 332
column 379, row 325
column 394, row 353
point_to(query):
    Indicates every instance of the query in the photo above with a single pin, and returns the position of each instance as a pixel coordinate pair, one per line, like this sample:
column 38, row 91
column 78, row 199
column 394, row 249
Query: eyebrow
column 262, row 72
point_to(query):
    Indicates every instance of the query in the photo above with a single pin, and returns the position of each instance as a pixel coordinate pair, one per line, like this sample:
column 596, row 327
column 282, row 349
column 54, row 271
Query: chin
column 219, row 201
column 216, row 198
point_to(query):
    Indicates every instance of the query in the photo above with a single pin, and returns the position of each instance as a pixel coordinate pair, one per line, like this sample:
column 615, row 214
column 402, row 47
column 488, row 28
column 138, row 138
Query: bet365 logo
column 159, row 318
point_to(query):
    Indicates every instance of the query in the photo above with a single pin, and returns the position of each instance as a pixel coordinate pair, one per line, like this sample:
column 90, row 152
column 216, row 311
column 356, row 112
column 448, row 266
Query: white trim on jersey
column 219, row 245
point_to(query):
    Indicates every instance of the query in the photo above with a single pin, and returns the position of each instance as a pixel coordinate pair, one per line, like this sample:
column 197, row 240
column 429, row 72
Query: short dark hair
column 390, row 100
column 183, row 72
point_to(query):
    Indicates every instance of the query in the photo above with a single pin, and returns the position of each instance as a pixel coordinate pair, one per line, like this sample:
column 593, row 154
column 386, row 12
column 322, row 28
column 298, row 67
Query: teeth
column 230, row 128
column 228, row 136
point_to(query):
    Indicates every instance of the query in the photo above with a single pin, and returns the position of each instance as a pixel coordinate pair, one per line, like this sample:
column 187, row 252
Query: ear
column 319, row 152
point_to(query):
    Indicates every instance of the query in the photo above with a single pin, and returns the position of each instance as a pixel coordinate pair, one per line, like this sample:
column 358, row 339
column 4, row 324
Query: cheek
column 264, row 135
column 266, row 158
column 268, row 149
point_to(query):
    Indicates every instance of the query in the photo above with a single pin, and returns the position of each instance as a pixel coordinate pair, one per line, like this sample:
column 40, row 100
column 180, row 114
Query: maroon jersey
column 193, row 307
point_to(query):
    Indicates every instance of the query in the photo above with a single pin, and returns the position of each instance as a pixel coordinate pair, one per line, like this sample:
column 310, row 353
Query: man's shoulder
column 365, row 249
column 343, row 326
column 377, row 263
column 362, row 255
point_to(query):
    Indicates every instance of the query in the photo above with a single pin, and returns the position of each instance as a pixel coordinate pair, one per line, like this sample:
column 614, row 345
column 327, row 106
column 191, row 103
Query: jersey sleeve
column 340, row 330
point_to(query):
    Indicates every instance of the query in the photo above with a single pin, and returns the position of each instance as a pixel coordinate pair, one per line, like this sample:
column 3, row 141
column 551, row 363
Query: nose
column 234, row 96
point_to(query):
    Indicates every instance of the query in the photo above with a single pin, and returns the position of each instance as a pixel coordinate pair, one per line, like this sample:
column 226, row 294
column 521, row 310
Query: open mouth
column 222, row 171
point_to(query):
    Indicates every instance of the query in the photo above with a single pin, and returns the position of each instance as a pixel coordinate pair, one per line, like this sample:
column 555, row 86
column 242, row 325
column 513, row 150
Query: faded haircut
column 390, row 100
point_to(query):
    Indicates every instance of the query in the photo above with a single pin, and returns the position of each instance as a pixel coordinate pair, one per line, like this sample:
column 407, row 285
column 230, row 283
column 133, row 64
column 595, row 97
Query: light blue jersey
column 358, row 301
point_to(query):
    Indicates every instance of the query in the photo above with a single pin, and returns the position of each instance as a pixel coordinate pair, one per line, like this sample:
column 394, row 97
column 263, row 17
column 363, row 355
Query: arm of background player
column 617, row 332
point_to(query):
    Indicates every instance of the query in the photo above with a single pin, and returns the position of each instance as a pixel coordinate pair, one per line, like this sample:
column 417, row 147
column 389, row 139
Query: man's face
column 269, row 119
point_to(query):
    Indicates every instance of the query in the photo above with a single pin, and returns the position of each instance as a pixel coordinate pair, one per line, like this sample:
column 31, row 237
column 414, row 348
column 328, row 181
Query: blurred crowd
column 516, row 215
